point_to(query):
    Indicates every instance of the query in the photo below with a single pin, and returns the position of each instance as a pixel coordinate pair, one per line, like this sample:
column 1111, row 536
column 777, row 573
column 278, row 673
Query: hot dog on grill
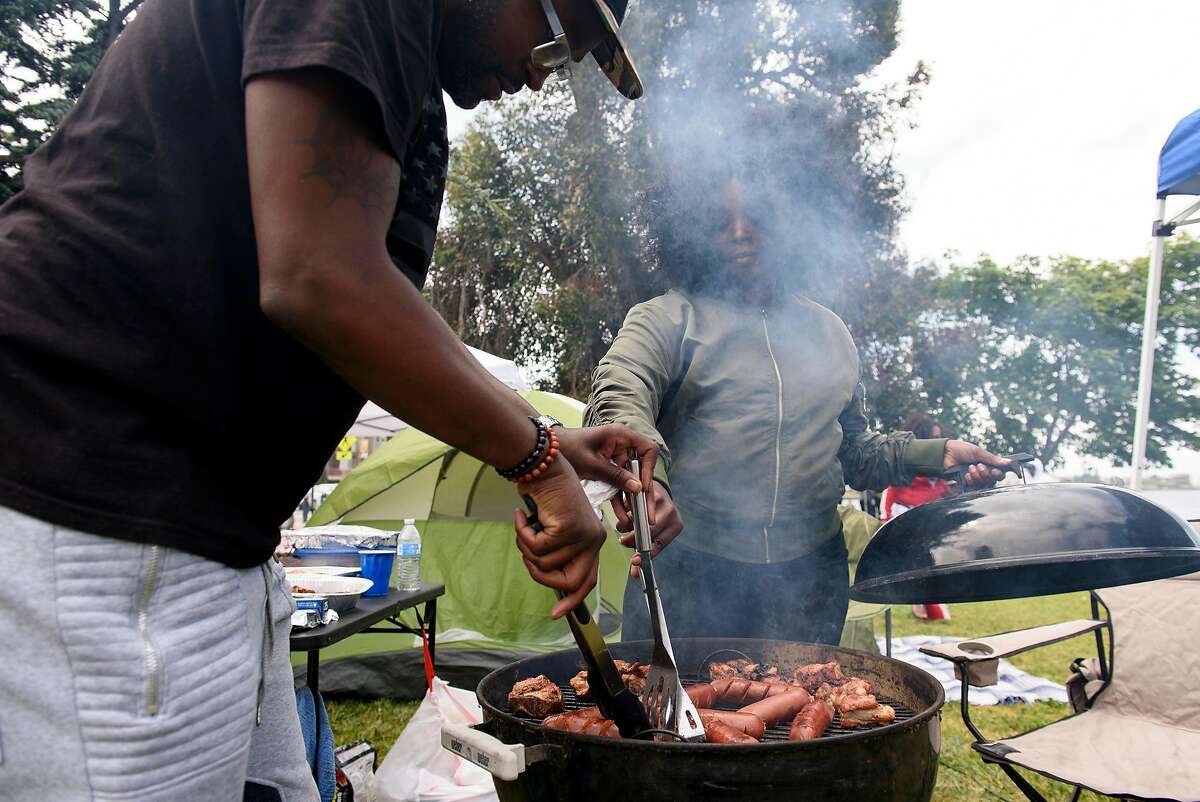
column 780, row 707
column 748, row 723
column 718, row 732
column 811, row 721
column 703, row 695
column 587, row 721
column 738, row 691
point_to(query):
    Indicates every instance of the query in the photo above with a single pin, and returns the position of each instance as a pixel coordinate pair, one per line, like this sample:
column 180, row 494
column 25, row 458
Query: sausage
column 811, row 721
column 718, row 732
column 587, row 721
column 779, row 708
column 738, row 691
column 748, row 723
column 702, row 695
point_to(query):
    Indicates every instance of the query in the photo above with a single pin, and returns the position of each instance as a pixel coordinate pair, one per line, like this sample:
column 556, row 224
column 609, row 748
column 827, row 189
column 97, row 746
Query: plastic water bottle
column 408, row 554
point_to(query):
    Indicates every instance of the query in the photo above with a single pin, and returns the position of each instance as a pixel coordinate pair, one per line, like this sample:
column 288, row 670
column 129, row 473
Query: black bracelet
column 535, row 457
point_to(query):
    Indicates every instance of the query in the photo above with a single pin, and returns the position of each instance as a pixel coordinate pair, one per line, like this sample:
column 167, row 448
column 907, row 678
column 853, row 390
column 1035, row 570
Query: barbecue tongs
column 616, row 702
column 668, row 705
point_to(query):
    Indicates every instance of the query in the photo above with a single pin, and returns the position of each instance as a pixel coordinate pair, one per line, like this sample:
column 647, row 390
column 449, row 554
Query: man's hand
column 665, row 523
column 565, row 554
column 979, row 474
column 601, row 452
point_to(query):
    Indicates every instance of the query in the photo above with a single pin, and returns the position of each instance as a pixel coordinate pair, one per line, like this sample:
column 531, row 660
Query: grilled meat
column 579, row 684
column 737, row 691
column 872, row 717
column 632, row 674
column 855, row 703
column 812, row 676
column 853, row 694
column 537, row 697
column 743, row 669
column 717, row 731
column 812, row 720
column 587, row 721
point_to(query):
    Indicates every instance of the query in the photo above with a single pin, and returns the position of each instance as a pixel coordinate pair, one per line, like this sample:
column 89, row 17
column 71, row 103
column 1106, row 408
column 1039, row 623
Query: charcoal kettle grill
column 893, row 763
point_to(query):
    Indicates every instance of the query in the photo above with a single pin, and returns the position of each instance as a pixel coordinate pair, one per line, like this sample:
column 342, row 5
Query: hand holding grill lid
column 973, row 466
column 960, row 472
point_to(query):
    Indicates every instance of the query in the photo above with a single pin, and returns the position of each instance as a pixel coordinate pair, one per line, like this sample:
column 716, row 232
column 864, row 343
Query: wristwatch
column 548, row 421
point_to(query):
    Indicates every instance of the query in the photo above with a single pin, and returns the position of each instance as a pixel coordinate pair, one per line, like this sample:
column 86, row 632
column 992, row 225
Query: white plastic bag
column 418, row 769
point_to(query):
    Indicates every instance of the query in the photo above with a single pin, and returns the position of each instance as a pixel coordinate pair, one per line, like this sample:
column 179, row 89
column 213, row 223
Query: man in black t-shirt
column 243, row 200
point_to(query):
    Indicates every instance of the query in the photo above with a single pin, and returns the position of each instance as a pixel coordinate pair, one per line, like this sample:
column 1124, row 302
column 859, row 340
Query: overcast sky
column 1040, row 130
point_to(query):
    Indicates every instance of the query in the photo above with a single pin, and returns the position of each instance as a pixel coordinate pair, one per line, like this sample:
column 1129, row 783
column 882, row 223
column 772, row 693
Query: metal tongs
column 667, row 704
column 614, row 699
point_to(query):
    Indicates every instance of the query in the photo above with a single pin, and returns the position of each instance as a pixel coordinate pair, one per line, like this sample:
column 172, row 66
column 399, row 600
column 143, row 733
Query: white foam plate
column 321, row 570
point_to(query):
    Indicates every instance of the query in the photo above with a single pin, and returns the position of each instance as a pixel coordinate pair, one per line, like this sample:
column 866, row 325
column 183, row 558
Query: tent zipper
column 778, row 434
column 150, row 656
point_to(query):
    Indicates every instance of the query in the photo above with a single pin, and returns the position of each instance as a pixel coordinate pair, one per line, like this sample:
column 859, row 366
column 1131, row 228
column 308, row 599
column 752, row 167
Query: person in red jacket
column 897, row 499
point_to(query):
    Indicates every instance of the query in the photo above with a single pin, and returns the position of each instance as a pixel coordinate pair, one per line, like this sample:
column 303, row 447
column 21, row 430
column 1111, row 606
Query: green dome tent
column 492, row 612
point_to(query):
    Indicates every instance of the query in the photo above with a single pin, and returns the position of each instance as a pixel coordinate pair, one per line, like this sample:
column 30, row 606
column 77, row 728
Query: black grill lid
column 1021, row 541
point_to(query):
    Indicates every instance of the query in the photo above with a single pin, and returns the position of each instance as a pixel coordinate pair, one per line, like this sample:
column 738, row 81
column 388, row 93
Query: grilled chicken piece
column 632, row 674
column 811, row 676
column 871, row 717
column 579, row 684
column 732, row 668
column 769, row 673
column 855, row 703
column 537, row 697
column 853, row 694
column 744, row 669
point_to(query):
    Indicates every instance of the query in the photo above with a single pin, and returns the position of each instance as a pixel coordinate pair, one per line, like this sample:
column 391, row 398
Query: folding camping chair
column 1137, row 735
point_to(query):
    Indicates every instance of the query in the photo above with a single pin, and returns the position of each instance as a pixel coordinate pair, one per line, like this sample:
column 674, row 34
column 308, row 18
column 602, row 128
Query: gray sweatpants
column 135, row 672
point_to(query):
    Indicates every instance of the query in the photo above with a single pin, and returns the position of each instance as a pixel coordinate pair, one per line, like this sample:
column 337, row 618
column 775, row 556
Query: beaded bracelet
column 539, row 459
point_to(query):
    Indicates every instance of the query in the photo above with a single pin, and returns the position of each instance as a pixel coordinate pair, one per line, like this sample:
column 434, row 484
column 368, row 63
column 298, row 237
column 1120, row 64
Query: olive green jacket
column 759, row 416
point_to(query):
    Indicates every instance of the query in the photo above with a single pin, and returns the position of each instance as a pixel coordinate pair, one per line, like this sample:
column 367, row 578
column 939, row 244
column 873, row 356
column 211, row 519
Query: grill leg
column 887, row 629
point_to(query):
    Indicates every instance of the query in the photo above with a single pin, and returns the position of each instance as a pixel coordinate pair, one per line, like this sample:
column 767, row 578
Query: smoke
column 766, row 93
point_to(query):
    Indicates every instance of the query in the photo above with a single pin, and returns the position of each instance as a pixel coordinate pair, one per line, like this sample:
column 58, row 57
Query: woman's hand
column 565, row 554
column 665, row 523
column 602, row 452
column 980, row 473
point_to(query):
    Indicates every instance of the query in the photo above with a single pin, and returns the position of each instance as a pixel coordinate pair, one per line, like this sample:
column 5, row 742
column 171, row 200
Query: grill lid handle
column 1016, row 465
column 505, row 761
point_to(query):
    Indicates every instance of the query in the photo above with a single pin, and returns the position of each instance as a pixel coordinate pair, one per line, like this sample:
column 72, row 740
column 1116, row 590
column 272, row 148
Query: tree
column 48, row 52
column 1044, row 358
column 546, row 191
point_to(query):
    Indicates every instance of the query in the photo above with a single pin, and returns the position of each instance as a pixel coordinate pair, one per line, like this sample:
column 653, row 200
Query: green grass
column 962, row 776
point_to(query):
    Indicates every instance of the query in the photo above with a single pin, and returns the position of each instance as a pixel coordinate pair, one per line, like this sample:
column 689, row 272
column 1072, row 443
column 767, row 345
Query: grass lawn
column 962, row 776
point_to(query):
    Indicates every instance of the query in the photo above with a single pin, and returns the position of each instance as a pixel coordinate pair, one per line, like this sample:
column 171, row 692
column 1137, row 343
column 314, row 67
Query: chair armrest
column 1006, row 644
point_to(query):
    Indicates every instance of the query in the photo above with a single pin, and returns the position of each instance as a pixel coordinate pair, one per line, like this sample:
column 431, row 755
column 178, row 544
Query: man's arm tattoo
column 344, row 159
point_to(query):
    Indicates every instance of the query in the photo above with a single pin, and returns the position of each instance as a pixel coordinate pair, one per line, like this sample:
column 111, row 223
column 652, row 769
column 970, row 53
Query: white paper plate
column 321, row 570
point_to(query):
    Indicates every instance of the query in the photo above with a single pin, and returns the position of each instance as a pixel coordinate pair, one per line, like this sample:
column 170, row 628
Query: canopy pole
column 1149, row 335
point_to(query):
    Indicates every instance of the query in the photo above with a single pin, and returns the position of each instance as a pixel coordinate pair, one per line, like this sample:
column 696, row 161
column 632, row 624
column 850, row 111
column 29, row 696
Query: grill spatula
column 667, row 704
column 615, row 700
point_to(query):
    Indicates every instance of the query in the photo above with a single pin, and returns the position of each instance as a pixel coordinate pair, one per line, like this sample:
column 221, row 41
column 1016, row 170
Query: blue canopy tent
column 1178, row 174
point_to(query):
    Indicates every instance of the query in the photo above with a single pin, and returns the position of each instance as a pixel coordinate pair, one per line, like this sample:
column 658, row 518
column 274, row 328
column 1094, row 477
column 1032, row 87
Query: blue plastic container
column 377, row 566
column 345, row 556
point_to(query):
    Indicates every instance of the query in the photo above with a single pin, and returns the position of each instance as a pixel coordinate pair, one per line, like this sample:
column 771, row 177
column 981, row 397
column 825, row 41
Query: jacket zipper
column 150, row 657
column 778, row 434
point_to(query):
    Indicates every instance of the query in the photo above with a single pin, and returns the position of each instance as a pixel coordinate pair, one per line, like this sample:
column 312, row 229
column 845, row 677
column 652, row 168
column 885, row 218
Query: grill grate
column 778, row 732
